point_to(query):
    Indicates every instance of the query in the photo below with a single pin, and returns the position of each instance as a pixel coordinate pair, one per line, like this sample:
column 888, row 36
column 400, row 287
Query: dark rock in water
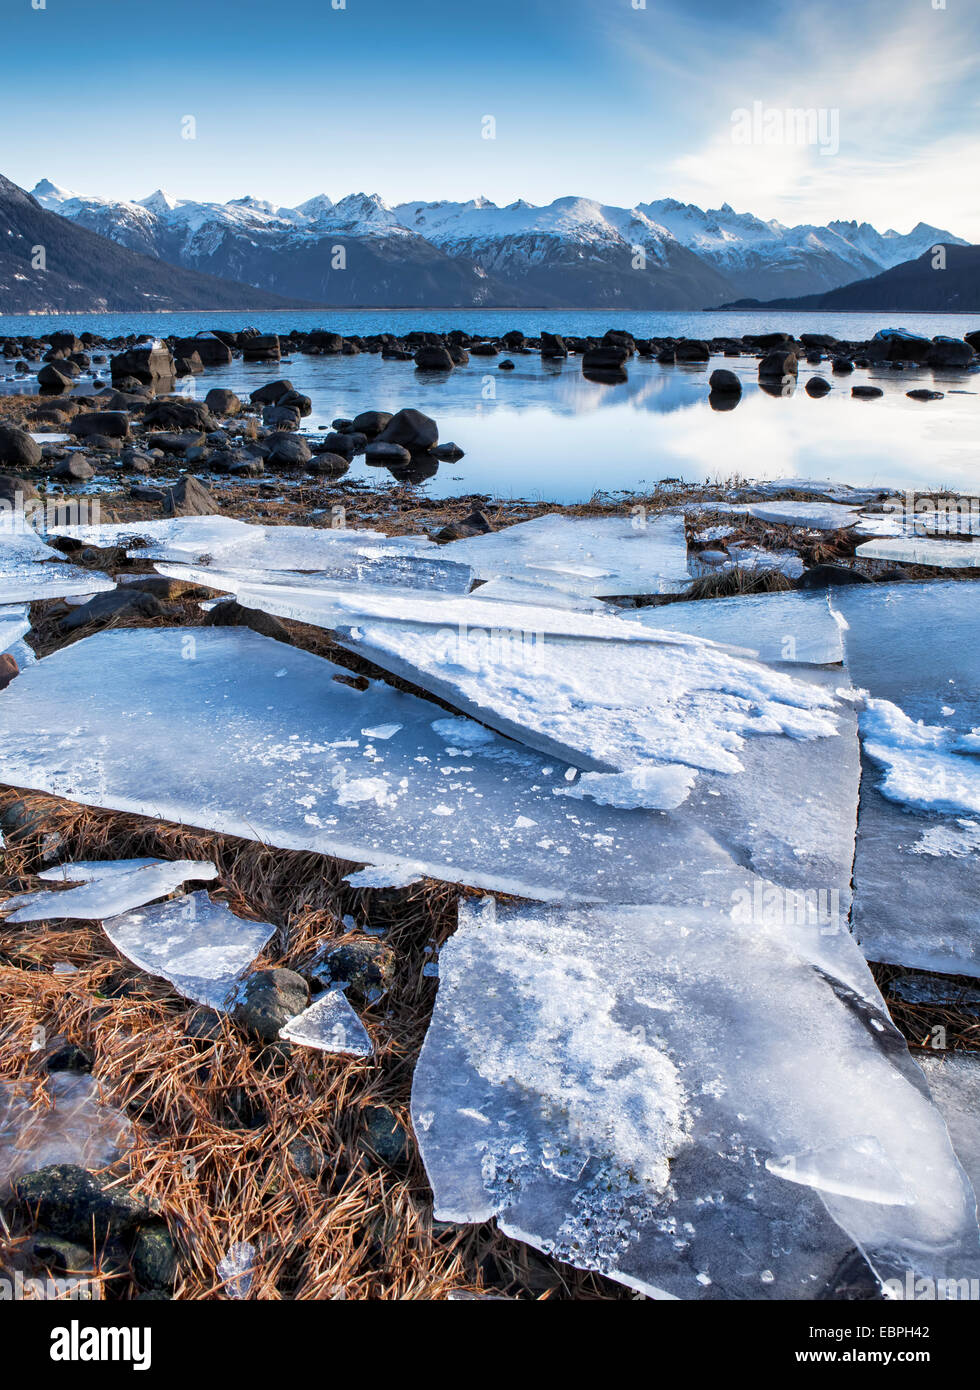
column 842, row 366
column 818, row 386
column 380, row 454
column 122, row 602
column 973, row 339
column 725, row 382
column 114, row 424
column 506, row 365
column 666, row 357
column 826, row 576
column 154, row 1258
column 272, row 393
column 364, row 966
column 866, row 393
column 56, row 376
column 222, row 402
column 209, row 348
column 329, row 343
column 179, row 415
column 434, row 359
column 295, row 400
column 412, row 430
column 949, row 352
column 607, row 376
column 605, row 358
column 691, row 350
column 264, row 347
column 343, row 444
column 9, row 669
column 188, row 497
column 18, row 449
column 386, row 1136
column 146, row 364
column 371, row 422
column 73, row 469
column 487, row 349
column 269, row 999
column 553, row 347
column 78, row 1205
column 779, row 363
column 447, row 453
column 233, row 614
column 175, row 443
column 288, row 451
column 328, row 465
column 724, row 400
column 15, row 491
column 921, row 394
column 69, row 1058
column 188, row 366
column 281, row 417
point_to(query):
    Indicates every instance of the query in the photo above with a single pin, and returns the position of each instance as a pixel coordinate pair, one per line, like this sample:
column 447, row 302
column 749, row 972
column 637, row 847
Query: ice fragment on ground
column 792, row 627
column 65, row 1119
column 522, row 591
column 662, row 786
column 15, row 621
column 331, row 1025
column 236, row 1269
column 920, row 550
column 105, row 894
column 201, row 947
column 31, row 570
column 385, row 876
column 621, row 1087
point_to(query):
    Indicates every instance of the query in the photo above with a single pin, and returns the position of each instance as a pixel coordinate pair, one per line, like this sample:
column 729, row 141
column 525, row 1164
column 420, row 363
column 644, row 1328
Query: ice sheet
column 331, row 1025
column 697, row 1107
column 106, row 894
column 31, row 570
column 200, row 946
column 525, row 591
column 815, row 516
column 793, row 627
column 954, row 1083
column 15, row 621
column 70, row 1123
column 916, row 649
column 595, row 556
column 281, row 757
column 922, row 550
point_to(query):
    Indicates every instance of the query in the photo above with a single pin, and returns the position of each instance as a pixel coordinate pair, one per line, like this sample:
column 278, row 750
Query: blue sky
column 613, row 99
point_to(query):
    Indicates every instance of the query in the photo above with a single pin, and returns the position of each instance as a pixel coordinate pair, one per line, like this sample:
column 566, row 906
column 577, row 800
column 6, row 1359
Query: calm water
column 545, row 431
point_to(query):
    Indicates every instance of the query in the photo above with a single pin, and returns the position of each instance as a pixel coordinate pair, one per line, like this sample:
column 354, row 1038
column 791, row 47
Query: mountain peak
column 160, row 202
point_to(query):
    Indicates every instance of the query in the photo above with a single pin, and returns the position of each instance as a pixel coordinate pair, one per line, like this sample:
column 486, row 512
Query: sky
column 624, row 101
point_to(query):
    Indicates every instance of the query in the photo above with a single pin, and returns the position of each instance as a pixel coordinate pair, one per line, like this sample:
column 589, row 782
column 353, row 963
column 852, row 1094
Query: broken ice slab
column 200, row 946
column 31, row 570
column 597, row 556
column 814, row 516
column 281, row 758
column 385, row 876
column 523, row 591
column 606, row 706
column 330, row 1025
column 104, row 891
column 922, row 550
column 65, row 1119
column 696, row 1105
column 792, row 627
column 15, row 621
column 954, row 1083
column 916, row 649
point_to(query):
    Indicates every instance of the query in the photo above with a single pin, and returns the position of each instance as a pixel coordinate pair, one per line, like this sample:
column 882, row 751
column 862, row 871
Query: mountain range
column 572, row 253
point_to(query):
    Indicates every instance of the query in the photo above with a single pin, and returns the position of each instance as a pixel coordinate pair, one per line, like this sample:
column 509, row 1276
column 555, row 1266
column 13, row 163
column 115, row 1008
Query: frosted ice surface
column 14, row 623
column 89, row 870
column 385, row 876
column 106, row 894
column 72, row 1123
column 331, row 1025
column 794, row 627
column 200, row 946
column 606, row 706
column 916, row 649
column 31, row 570
column 524, row 591
column 815, row 516
column 922, row 550
column 693, row 1106
column 954, row 1082
column 280, row 757
column 585, row 555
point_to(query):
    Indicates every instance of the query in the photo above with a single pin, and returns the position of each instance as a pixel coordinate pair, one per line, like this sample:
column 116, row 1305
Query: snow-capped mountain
column 574, row 252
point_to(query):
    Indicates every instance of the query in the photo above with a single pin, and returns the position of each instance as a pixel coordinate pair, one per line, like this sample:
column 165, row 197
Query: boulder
column 222, row 402
column 434, row 359
column 553, row 347
column 371, row 422
column 842, row 366
column 234, row 614
column 328, row 465
column 725, row 382
column 149, row 363
column 412, row 430
column 287, row 450
column 380, row 454
column 114, row 424
column 80, row 1206
column 921, row 394
column 14, row 491
column 18, row 449
column 271, row 393
column 817, row 386
column 209, row 348
column 778, row 363
column 264, row 347
column 179, row 415
column 188, row 497
column 270, row 998
column 949, row 352
column 74, row 469
column 691, row 350
column 57, row 376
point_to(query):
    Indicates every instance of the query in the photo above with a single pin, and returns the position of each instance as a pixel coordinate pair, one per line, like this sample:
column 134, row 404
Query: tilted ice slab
column 584, row 555
column 200, row 946
column 78, row 1126
column 331, row 1025
column 31, row 570
column 922, row 550
column 524, row 591
column 916, row 649
column 697, row 1107
column 605, row 706
column 282, row 757
column 815, row 516
column 791, row 627
column 104, row 894
column 954, row 1083
column 15, row 621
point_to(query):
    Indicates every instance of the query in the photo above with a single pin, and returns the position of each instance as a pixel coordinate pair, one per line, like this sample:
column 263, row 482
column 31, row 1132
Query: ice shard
column 923, row 550
column 698, row 1103
column 790, row 627
column 915, row 648
column 200, row 946
column 954, row 1083
column 15, row 621
column 593, row 556
column 70, row 1123
column 281, row 757
column 31, row 570
column 330, row 1025
column 105, row 893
